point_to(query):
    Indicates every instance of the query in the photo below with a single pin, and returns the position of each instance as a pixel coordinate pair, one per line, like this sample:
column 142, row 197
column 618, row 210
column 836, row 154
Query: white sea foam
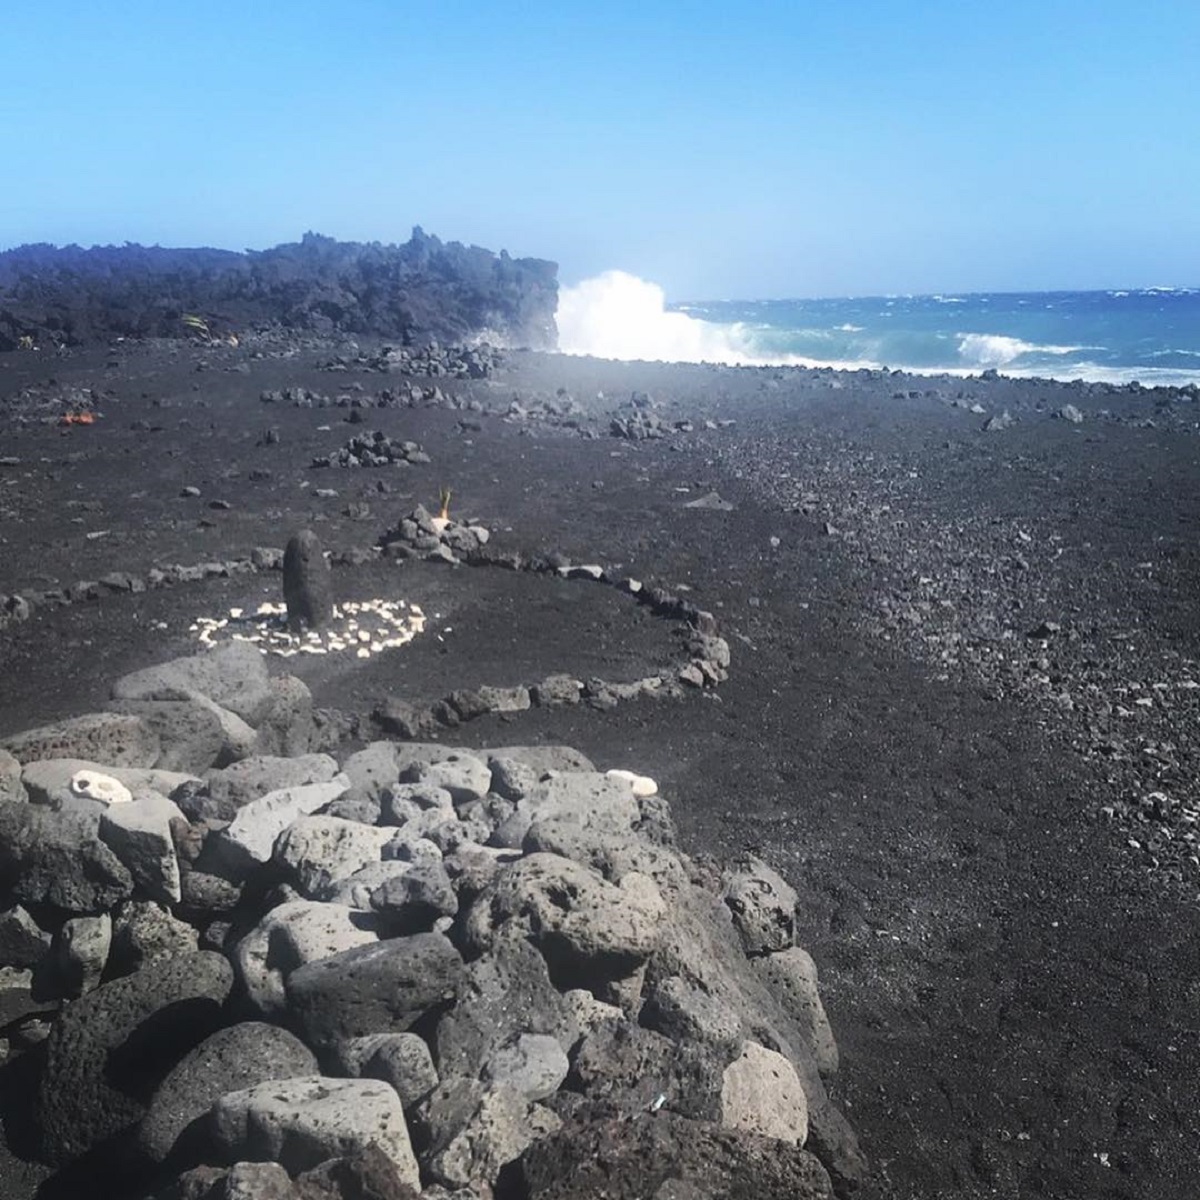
column 618, row 315
column 997, row 349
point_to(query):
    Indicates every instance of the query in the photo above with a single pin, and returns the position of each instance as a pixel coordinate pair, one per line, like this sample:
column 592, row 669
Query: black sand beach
column 960, row 718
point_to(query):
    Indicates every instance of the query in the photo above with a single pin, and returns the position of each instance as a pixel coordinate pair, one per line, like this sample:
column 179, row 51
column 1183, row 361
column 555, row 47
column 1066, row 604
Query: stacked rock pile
column 417, row 970
column 373, row 450
column 46, row 403
column 432, row 361
column 297, row 397
column 421, row 535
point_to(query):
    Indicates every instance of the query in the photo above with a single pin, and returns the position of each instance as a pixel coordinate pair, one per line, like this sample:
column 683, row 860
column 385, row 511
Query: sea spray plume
column 618, row 315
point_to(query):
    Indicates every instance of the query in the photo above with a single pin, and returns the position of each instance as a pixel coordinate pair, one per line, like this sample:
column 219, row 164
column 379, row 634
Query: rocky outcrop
column 424, row 289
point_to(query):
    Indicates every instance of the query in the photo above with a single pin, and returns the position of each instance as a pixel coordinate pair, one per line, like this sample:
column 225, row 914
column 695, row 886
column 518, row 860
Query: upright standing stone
column 306, row 582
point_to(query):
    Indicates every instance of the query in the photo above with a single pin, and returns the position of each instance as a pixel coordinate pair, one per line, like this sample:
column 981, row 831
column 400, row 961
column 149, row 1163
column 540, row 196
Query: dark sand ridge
column 1012, row 985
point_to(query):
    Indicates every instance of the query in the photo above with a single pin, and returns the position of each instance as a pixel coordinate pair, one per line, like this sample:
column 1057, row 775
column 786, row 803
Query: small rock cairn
column 246, row 969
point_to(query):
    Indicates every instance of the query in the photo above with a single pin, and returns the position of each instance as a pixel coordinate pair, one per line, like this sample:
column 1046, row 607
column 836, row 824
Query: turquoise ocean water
column 1148, row 334
column 1152, row 334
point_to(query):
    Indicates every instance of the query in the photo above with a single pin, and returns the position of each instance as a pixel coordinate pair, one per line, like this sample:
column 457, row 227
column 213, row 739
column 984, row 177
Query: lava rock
column 380, row 988
column 307, row 585
column 108, row 1049
column 232, row 1059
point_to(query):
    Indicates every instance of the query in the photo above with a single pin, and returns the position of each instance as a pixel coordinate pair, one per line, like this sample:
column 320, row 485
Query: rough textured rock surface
column 579, row 921
column 290, row 935
column 11, row 788
column 503, row 995
column 116, row 739
column 303, row 1121
column 233, row 676
column 56, row 858
column 600, row 1155
column 252, row 778
column 762, row 1093
column 378, row 988
column 232, row 1059
column 108, row 1050
column 49, row 781
column 307, row 586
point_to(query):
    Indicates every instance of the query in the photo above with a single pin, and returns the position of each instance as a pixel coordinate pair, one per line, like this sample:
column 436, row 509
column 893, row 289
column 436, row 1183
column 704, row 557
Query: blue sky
column 721, row 149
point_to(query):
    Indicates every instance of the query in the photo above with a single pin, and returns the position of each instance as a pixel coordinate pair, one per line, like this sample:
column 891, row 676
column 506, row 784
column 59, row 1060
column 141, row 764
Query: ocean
column 1151, row 335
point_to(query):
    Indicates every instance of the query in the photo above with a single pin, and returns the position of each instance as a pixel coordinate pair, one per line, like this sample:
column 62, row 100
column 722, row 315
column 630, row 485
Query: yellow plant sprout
column 196, row 324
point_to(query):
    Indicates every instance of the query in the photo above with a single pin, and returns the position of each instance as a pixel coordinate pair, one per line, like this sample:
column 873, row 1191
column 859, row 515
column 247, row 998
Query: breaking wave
column 617, row 315
column 997, row 350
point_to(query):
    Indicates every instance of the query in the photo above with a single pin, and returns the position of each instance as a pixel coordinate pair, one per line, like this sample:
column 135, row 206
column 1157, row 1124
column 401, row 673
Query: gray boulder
column 587, row 818
column 687, row 1013
column 503, row 995
column 533, row 1065
column 700, row 944
column 288, row 728
column 49, row 782
column 543, row 759
column 252, row 778
column 115, row 739
column 600, row 1156
column 144, row 932
column 190, row 732
column 55, row 858
column 380, row 988
column 17, row 1002
column 463, row 775
column 574, row 798
column 317, row 851
column 411, row 901
column 304, row 1121
column 11, row 788
column 355, row 890
column 373, row 768
column 791, row 976
column 23, row 943
column 589, row 930
column 400, row 1059
column 287, row 937
column 248, row 840
column 108, row 1049
column 80, row 953
column 475, row 1130
column 512, row 779
column 763, row 905
column 230, row 1060
column 761, row 1093
column 139, row 834
column 638, row 1070
column 233, row 675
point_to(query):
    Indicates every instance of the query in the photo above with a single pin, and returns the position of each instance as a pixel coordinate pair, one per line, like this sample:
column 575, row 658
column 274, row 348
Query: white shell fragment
column 640, row 785
column 92, row 785
column 387, row 624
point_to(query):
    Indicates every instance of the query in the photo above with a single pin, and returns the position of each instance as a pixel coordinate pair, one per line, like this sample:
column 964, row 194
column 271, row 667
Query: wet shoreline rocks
column 414, row 961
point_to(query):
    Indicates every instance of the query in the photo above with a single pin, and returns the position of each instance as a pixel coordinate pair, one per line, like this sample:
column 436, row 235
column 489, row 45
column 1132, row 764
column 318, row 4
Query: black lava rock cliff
column 424, row 289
